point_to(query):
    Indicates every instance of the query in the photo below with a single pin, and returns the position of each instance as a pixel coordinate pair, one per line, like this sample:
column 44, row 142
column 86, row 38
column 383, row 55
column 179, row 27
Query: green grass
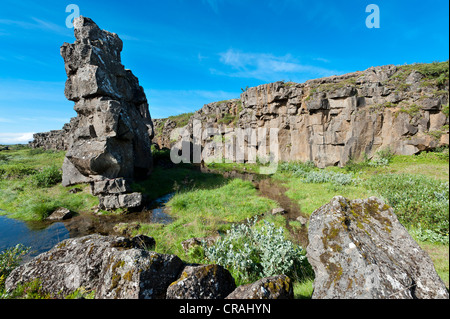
column 201, row 212
column 179, row 178
column 30, row 185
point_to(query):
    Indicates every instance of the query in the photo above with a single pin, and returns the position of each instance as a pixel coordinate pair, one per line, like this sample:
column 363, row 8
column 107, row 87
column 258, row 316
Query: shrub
column 251, row 253
column 15, row 171
column 48, row 177
column 418, row 201
column 10, row 259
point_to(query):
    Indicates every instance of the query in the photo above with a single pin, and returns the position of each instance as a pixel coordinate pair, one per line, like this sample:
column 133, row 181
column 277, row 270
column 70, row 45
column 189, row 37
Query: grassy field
column 207, row 204
column 30, row 185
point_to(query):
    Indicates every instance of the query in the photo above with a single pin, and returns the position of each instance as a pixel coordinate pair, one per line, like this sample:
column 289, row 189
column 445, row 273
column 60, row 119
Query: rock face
column 331, row 120
column 53, row 140
column 275, row 287
column 358, row 249
column 115, row 267
column 121, row 268
column 111, row 136
column 202, row 282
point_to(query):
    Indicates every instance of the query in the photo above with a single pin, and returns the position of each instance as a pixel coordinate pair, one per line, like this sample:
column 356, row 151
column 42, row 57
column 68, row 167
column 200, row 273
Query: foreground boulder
column 114, row 267
column 111, row 136
column 359, row 249
column 202, row 282
column 275, row 287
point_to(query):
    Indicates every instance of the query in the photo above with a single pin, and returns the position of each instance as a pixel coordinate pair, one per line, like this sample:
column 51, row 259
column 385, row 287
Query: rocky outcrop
column 202, row 282
column 275, row 287
column 359, row 249
column 111, row 136
column 53, row 140
column 114, row 267
column 331, row 120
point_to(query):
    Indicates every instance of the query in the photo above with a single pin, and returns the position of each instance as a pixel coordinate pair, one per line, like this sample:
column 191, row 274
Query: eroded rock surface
column 111, row 136
column 329, row 120
column 202, row 282
column 114, row 267
column 275, row 287
column 359, row 249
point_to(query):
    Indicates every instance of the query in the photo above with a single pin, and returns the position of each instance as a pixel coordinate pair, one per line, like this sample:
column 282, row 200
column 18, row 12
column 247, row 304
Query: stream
column 273, row 190
column 42, row 236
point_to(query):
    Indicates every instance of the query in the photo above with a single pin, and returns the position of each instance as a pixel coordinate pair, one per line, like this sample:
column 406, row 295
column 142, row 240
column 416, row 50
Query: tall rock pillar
column 111, row 136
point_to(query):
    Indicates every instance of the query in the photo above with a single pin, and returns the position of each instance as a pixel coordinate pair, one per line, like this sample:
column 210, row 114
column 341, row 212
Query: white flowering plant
column 251, row 253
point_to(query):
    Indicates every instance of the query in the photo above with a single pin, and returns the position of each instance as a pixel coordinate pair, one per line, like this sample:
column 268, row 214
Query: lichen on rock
column 359, row 249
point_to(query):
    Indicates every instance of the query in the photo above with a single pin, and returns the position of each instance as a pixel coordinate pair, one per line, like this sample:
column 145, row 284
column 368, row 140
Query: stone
column 202, row 282
column 113, row 267
column 60, row 214
column 193, row 242
column 111, row 135
column 110, row 186
column 275, row 287
column 75, row 190
column 359, row 250
column 302, row 220
column 278, row 211
column 111, row 202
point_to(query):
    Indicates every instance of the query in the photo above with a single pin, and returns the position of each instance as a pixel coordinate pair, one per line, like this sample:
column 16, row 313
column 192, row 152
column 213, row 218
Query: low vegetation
column 30, row 185
column 209, row 205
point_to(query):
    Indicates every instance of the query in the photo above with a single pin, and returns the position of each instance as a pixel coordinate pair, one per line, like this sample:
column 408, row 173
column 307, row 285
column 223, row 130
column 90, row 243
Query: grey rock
column 111, row 136
column 278, row 211
column 110, row 186
column 202, row 282
column 275, row 287
column 359, row 249
column 111, row 202
column 193, row 242
column 60, row 214
column 113, row 267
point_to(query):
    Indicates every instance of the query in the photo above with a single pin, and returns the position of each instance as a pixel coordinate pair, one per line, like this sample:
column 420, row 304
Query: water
column 40, row 237
column 43, row 236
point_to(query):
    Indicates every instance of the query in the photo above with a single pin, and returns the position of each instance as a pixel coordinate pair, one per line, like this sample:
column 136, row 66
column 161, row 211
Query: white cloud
column 37, row 24
column 15, row 138
column 268, row 67
column 163, row 103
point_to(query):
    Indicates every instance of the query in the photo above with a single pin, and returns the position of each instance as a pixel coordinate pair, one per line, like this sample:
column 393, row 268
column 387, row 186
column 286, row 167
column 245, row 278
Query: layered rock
column 331, row 120
column 113, row 267
column 359, row 249
column 111, row 136
column 53, row 140
column 275, row 287
column 202, row 282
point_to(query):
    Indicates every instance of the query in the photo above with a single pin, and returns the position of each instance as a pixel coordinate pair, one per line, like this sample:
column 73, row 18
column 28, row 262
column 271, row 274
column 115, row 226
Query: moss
column 115, row 281
column 128, row 276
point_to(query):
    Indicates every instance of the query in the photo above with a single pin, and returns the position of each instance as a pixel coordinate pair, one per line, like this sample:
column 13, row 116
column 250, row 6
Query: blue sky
column 187, row 53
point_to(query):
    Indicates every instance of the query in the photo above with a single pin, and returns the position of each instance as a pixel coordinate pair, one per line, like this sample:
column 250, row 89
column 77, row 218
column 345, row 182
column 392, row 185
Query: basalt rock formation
column 111, row 136
column 53, row 140
column 327, row 121
column 359, row 250
column 117, row 267
column 331, row 120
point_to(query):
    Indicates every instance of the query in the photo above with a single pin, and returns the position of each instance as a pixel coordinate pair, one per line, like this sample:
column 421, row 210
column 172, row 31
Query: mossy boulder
column 275, row 287
column 114, row 267
column 359, row 249
column 202, row 282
